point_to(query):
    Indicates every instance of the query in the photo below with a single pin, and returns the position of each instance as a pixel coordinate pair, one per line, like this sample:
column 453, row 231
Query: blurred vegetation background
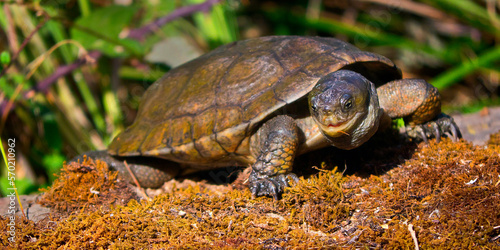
column 73, row 71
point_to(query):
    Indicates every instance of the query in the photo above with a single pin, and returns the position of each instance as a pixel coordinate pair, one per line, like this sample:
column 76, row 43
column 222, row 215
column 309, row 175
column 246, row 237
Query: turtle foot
column 439, row 126
column 271, row 186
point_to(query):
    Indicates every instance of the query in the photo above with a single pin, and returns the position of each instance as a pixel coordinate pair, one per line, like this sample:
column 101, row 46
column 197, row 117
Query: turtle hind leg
column 149, row 172
column 419, row 104
column 276, row 144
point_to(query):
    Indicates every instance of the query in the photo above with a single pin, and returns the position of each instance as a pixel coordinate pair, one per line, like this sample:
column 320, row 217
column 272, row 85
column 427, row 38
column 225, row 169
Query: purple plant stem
column 45, row 84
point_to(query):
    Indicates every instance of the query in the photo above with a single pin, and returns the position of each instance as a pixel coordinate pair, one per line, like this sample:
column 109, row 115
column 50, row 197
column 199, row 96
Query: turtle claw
column 271, row 186
column 441, row 125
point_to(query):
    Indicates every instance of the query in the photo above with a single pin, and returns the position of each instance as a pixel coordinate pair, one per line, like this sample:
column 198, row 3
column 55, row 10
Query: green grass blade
column 91, row 103
column 84, row 7
column 366, row 36
column 56, row 30
column 449, row 77
column 218, row 26
column 132, row 73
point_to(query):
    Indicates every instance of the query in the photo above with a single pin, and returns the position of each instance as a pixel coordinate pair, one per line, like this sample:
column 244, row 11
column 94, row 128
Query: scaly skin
column 419, row 103
column 413, row 99
column 276, row 144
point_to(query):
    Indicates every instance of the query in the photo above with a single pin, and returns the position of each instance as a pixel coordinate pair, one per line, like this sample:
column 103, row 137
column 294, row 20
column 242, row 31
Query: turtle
column 261, row 102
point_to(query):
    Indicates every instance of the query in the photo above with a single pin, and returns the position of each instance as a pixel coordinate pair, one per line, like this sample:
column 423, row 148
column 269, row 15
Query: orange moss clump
column 447, row 191
column 447, row 194
column 494, row 139
column 85, row 185
column 188, row 218
column 318, row 201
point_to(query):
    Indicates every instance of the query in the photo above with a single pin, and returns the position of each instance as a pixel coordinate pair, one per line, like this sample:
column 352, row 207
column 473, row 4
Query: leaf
column 5, row 57
column 6, row 87
column 23, row 185
column 53, row 162
column 102, row 28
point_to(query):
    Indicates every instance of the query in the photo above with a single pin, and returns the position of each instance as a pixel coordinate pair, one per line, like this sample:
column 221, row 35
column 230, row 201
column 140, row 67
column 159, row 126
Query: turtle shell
column 205, row 110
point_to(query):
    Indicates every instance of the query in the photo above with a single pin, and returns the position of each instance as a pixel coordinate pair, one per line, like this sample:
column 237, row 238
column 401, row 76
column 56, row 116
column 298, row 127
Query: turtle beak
column 333, row 127
column 330, row 122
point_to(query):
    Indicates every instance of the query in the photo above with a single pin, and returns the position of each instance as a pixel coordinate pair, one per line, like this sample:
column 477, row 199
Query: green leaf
column 53, row 162
column 102, row 28
column 9, row 83
column 24, row 186
column 6, row 87
column 5, row 57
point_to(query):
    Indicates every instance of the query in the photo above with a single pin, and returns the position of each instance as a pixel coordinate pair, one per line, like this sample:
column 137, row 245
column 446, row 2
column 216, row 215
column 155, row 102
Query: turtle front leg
column 275, row 145
column 440, row 125
column 419, row 104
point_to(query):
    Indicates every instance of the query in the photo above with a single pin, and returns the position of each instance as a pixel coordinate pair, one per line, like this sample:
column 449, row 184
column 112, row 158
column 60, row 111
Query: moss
column 494, row 139
column 317, row 201
column 85, row 185
column 448, row 192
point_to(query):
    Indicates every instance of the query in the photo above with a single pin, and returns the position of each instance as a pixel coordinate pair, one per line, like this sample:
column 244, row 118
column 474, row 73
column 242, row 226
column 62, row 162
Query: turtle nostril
column 327, row 111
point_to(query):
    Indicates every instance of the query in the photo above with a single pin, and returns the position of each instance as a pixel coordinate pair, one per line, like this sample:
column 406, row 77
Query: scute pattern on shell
column 205, row 109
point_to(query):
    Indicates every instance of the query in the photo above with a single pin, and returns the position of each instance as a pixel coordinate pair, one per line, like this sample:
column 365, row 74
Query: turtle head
column 345, row 106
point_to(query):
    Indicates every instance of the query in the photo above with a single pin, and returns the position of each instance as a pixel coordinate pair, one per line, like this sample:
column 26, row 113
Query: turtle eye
column 347, row 102
column 314, row 108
